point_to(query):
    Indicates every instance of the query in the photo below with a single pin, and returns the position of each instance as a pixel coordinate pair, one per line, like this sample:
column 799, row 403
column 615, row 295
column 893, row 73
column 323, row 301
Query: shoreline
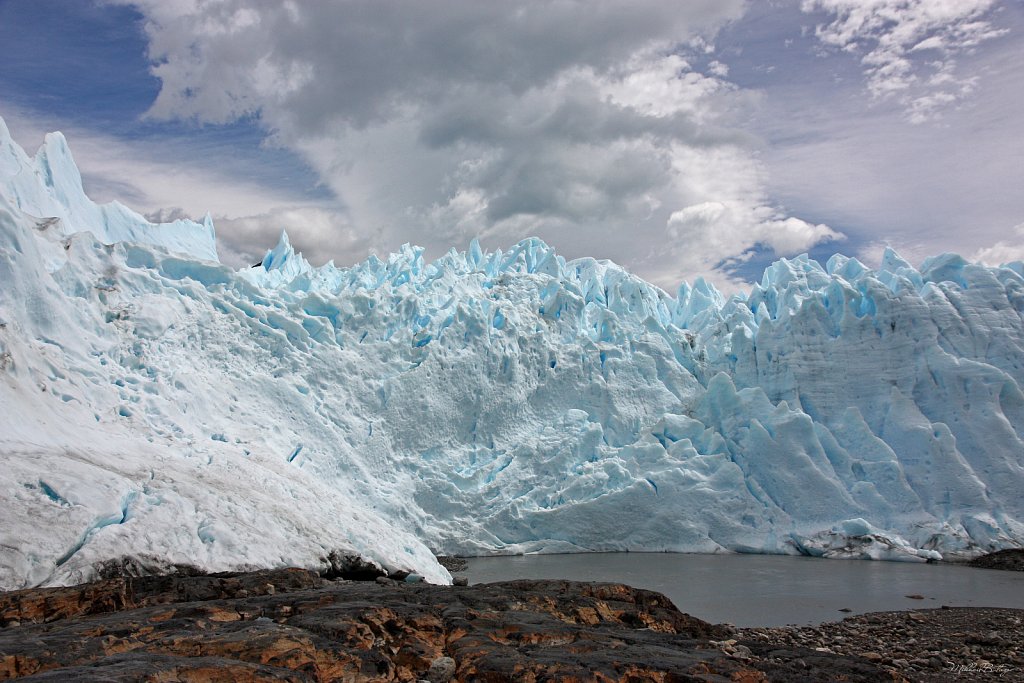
column 293, row 624
column 1011, row 559
column 935, row 644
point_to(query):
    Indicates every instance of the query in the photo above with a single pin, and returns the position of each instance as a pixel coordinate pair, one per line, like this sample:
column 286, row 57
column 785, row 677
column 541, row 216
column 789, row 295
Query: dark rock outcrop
column 1011, row 559
column 292, row 625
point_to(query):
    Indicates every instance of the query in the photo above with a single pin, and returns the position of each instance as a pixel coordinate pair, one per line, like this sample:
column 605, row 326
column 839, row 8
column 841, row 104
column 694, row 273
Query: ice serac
column 49, row 187
column 160, row 406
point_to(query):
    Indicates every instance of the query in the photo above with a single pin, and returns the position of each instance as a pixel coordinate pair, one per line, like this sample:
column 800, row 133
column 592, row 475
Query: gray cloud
column 362, row 60
column 320, row 234
column 581, row 122
column 167, row 215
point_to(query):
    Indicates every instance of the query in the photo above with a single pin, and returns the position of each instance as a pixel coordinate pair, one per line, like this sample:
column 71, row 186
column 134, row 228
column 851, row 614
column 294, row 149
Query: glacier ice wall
column 161, row 406
column 49, row 186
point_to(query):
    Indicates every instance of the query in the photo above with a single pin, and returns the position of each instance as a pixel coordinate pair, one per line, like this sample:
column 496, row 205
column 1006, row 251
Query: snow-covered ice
column 159, row 406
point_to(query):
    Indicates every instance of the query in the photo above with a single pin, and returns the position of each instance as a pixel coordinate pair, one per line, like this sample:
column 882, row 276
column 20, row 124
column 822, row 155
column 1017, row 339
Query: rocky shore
column 946, row 644
column 1010, row 560
column 293, row 625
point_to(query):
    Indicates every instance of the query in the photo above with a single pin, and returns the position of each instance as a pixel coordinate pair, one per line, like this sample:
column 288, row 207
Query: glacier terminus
column 158, row 408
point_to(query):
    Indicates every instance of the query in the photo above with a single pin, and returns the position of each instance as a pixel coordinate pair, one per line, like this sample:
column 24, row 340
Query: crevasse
column 484, row 402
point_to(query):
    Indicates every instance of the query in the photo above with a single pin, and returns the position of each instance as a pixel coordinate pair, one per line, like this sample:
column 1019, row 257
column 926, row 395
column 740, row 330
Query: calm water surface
column 770, row 590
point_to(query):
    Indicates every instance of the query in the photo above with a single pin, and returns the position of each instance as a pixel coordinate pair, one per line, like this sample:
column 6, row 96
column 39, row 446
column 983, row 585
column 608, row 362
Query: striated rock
column 126, row 593
column 292, row 625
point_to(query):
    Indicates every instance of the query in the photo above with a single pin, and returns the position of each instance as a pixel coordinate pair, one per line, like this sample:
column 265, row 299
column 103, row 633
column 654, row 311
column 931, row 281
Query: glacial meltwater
column 770, row 590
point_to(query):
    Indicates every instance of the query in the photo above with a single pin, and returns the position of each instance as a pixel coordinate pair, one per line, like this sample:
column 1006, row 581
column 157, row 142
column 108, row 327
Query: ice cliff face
column 160, row 406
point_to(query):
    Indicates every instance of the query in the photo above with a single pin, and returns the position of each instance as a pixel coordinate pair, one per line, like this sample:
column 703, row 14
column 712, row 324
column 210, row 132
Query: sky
column 679, row 139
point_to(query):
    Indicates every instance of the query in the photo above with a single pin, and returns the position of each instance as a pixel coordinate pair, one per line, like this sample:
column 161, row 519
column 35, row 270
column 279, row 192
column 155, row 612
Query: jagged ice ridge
column 161, row 407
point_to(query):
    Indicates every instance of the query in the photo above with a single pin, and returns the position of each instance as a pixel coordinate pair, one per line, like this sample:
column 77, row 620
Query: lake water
column 770, row 590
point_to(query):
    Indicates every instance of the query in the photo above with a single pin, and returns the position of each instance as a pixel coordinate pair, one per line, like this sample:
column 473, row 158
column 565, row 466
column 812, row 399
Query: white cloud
column 951, row 186
column 909, row 48
column 912, row 252
column 583, row 123
column 1003, row 251
column 717, row 68
column 142, row 175
column 321, row 234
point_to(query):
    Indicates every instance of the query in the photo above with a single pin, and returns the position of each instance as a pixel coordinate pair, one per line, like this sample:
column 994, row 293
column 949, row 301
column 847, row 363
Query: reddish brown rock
column 292, row 625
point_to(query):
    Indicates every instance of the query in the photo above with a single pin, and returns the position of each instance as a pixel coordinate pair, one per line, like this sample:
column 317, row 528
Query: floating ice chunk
column 858, row 539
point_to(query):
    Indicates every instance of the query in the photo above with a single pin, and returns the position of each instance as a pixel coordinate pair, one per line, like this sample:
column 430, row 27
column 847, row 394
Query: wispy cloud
column 835, row 154
column 909, row 48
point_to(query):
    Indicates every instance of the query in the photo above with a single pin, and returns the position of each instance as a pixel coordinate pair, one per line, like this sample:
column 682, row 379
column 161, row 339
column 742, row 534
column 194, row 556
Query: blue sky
column 679, row 139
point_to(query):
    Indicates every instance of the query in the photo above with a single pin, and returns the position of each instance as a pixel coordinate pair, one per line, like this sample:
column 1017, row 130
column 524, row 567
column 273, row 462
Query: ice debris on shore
column 159, row 405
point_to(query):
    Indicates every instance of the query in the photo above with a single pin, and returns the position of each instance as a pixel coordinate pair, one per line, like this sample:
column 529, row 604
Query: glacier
column 160, row 409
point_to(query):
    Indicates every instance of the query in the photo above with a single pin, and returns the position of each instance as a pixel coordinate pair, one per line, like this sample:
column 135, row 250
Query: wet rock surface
column 292, row 625
column 946, row 644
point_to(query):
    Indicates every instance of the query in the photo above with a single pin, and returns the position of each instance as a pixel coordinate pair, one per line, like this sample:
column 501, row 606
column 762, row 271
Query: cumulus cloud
column 320, row 234
column 167, row 215
column 1003, row 251
column 909, row 48
column 584, row 123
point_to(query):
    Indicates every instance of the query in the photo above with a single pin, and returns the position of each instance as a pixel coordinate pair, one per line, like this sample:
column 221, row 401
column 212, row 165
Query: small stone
column 871, row 656
column 269, row 589
column 460, row 581
column 441, row 670
column 914, row 596
column 741, row 652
